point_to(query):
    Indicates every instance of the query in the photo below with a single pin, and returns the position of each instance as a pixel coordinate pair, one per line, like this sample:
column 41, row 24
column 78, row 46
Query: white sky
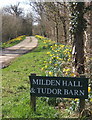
column 23, row 3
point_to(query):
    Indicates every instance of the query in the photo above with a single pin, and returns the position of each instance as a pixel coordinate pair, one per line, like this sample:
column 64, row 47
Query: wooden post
column 81, row 105
column 82, row 101
column 32, row 98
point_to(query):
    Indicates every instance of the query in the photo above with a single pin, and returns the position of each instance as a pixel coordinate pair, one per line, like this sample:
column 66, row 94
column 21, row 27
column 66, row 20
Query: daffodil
column 40, row 37
column 50, row 62
column 50, row 73
column 66, row 73
column 46, row 66
column 66, row 69
column 45, row 61
column 48, row 52
column 72, row 74
column 51, row 55
column 76, row 99
column 69, row 60
column 90, row 99
column 89, row 89
column 62, row 46
column 55, row 45
column 57, row 57
column 56, row 64
column 42, row 69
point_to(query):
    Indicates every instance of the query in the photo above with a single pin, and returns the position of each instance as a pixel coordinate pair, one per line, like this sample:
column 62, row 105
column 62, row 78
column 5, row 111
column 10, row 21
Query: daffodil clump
column 59, row 61
column 46, row 42
column 13, row 41
column 39, row 37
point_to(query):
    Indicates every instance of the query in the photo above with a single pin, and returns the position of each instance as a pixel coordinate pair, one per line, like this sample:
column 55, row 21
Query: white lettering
column 57, row 82
column 59, row 91
column 54, row 91
column 43, row 90
column 81, row 92
column 70, row 83
column 64, row 83
column 48, row 82
column 40, row 81
column 35, row 82
column 53, row 82
column 65, row 92
column 79, row 84
column 48, row 91
column 70, row 92
column 75, row 92
column 32, row 90
column 39, row 90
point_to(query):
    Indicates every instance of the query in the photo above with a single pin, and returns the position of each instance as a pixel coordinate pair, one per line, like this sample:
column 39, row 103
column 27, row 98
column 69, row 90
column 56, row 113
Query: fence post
column 32, row 97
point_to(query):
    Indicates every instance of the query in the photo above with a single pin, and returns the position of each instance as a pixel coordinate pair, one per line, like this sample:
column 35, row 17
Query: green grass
column 16, row 87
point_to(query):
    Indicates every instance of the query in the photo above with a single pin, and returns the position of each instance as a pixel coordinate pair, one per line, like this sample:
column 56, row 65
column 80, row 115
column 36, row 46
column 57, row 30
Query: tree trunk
column 78, row 44
column 91, row 45
column 79, row 52
column 57, row 37
column 64, row 24
column 65, row 31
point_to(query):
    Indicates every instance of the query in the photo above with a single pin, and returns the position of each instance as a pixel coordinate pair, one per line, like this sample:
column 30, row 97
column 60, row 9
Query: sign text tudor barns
column 66, row 87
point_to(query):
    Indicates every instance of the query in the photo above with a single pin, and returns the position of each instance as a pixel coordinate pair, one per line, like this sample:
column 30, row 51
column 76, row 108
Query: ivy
column 78, row 22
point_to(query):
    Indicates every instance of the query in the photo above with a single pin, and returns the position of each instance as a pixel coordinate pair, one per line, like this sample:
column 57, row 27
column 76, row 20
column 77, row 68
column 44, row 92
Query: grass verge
column 16, row 87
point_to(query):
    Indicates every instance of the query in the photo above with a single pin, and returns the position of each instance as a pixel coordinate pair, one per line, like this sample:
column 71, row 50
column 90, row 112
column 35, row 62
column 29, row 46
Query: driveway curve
column 8, row 54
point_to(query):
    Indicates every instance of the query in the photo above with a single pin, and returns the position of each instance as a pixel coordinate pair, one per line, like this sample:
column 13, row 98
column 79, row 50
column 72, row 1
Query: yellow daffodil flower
column 50, row 73
column 89, row 89
column 48, row 52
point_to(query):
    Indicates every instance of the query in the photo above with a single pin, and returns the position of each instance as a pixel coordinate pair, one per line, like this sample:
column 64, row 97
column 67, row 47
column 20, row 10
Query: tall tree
column 39, row 9
column 14, row 10
column 78, row 27
column 91, row 43
column 14, row 23
column 53, row 13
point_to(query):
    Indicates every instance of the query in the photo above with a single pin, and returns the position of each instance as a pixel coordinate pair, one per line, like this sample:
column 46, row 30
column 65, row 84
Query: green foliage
column 59, row 59
column 58, row 62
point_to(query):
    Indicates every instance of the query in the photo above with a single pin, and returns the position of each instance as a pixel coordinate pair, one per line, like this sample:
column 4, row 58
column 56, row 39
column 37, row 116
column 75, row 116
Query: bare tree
column 39, row 9
column 14, row 23
column 27, row 24
column 11, row 27
column 14, row 10
column 53, row 13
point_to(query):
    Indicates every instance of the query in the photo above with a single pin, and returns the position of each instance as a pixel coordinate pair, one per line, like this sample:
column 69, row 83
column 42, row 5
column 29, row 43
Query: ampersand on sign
column 32, row 90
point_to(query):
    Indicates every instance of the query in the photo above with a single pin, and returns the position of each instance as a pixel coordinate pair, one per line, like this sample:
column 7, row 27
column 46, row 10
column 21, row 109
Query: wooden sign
column 66, row 87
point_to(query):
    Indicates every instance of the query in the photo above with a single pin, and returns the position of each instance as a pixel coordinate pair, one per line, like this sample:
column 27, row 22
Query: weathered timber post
column 32, row 97
column 81, row 105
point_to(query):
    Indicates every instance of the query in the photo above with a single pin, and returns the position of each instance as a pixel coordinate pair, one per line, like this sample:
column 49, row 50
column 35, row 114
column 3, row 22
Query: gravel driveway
column 8, row 54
